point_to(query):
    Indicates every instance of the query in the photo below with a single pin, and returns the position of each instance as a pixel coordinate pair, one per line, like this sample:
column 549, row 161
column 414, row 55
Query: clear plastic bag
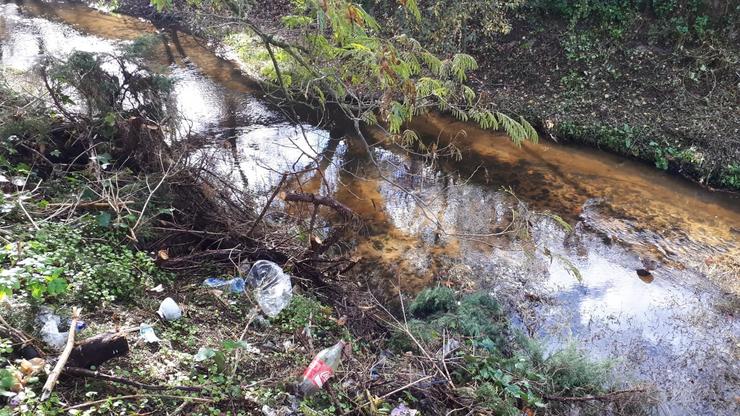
column 272, row 286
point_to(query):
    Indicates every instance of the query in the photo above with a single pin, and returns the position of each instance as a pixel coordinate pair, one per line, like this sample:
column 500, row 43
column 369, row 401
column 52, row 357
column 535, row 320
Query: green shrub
column 433, row 301
column 86, row 263
column 505, row 370
column 571, row 372
column 479, row 316
column 730, row 177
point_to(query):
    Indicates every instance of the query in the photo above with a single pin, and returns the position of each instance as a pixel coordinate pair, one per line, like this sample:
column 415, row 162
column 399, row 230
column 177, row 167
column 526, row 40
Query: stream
column 658, row 258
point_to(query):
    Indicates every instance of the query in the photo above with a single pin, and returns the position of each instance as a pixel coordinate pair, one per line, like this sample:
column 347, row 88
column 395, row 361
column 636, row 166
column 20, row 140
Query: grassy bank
column 653, row 80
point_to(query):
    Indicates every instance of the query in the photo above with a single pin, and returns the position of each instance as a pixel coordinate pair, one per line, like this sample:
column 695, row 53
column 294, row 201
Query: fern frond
column 529, row 130
column 432, row 62
column 409, row 137
column 485, row 119
column 368, row 117
column 512, row 128
column 469, row 94
column 459, row 114
column 413, row 8
column 461, row 64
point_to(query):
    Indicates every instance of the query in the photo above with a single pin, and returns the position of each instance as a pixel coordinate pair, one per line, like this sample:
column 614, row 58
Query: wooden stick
column 137, row 396
column 21, row 337
column 413, row 383
column 54, row 375
column 83, row 372
column 337, row 206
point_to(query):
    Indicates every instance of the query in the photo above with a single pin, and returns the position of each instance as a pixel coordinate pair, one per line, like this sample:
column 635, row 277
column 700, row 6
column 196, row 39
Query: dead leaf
column 32, row 366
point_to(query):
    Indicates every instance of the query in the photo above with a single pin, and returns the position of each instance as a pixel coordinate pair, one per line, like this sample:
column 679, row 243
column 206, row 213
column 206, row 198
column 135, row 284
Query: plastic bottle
column 49, row 322
column 272, row 286
column 322, row 367
column 235, row 285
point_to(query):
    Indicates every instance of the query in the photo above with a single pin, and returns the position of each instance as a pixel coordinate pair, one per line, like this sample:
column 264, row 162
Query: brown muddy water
column 672, row 325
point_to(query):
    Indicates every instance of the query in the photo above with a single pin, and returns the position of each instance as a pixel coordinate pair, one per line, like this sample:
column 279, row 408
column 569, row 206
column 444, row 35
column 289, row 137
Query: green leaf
column 230, row 345
column 104, row 219
column 220, row 359
column 37, row 289
column 6, row 380
column 110, row 119
column 514, row 390
column 204, row 353
column 56, row 286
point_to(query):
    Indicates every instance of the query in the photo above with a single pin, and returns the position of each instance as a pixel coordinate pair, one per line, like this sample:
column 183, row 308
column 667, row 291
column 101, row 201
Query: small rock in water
column 645, row 275
column 649, row 264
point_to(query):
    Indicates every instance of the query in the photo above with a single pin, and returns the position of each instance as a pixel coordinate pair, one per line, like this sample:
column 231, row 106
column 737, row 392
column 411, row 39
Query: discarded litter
column 49, row 323
column 273, row 289
column 379, row 365
column 158, row 289
column 146, row 332
column 235, row 285
column 322, row 367
column 450, row 346
column 169, row 310
column 402, row 410
column 30, row 367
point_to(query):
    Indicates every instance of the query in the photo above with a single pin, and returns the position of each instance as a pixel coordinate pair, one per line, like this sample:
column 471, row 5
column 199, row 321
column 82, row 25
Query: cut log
column 98, row 349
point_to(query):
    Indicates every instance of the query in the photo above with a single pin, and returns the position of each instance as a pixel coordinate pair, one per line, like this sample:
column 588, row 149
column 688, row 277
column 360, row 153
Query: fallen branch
column 386, row 395
column 83, row 372
column 136, row 396
column 604, row 397
column 337, row 206
column 54, row 375
column 267, row 205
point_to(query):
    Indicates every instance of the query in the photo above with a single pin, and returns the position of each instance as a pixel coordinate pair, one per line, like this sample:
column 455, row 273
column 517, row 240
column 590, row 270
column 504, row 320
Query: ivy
column 85, row 263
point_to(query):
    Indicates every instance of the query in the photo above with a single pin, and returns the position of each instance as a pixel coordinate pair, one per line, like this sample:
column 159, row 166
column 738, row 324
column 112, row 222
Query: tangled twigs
column 386, row 395
column 19, row 336
column 267, row 205
column 54, row 375
column 138, row 396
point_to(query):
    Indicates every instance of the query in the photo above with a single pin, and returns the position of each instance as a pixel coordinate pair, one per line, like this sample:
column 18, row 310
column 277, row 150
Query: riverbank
column 666, row 99
column 656, row 82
